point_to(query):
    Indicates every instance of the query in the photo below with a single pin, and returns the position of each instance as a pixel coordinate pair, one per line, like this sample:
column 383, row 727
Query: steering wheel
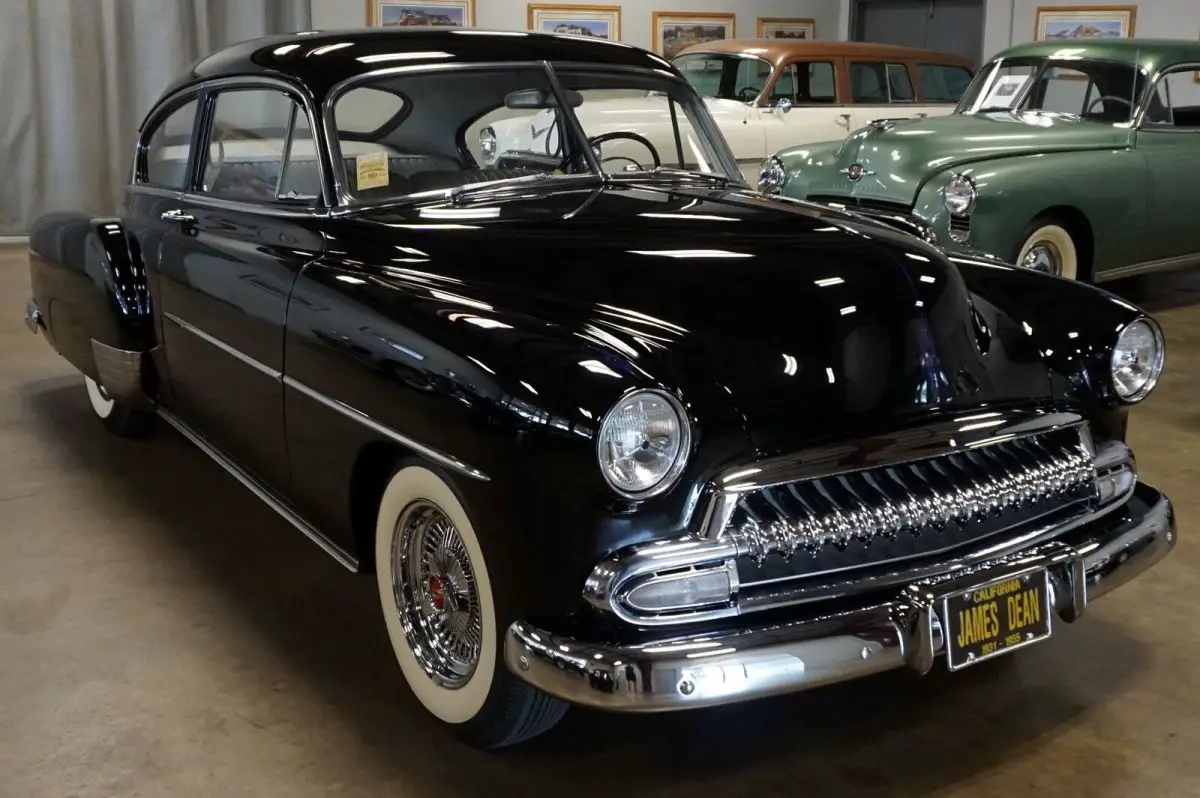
column 1104, row 97
column 596, row 141
column 748, row 94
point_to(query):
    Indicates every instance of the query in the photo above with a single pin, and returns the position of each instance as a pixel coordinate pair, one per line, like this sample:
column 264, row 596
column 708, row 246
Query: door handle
column 177, row 216
column 845, row 119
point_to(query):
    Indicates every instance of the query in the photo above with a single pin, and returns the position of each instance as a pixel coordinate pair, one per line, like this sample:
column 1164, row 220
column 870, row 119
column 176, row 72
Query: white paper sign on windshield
column 1006, row 90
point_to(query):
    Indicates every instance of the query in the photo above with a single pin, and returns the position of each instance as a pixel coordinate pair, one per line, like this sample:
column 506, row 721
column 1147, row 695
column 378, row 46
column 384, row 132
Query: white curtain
column 77, row 76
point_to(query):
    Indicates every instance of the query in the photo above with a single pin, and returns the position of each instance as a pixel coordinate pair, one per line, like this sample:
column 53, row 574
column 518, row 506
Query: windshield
column 725, row 76
column 1097, row 90
column 415, row 132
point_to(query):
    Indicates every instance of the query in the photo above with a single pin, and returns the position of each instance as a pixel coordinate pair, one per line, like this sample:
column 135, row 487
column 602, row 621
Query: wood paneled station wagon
column 638, row 440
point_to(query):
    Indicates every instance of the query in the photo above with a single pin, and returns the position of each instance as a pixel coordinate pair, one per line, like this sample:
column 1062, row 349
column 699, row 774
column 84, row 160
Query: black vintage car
column 609, row 427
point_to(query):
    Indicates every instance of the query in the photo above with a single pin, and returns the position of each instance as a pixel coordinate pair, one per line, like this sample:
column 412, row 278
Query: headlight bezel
column 967, row 185
column 1160, row 355
column 672, row 475
column 772, row 165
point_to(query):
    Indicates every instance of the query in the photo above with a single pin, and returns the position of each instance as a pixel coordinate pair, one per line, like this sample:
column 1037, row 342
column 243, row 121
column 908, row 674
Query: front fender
column 516, row 395
column 1104, row 187
column 1074, row 326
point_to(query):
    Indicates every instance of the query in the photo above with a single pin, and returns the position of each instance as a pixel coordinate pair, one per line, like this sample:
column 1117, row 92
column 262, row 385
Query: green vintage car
column 1076, row 157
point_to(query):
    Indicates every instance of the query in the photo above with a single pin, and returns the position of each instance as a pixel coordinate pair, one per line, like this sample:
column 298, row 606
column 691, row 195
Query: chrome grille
column 912, row 509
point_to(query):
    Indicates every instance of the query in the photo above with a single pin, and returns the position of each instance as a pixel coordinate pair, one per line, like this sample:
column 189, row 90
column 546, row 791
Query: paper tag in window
column 372, row 170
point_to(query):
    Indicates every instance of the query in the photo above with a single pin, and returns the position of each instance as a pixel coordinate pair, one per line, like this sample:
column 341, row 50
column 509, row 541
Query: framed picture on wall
column 600, row 22
column 786, row 28
column 1057, row 23
column 675, row 30
column 426, row 14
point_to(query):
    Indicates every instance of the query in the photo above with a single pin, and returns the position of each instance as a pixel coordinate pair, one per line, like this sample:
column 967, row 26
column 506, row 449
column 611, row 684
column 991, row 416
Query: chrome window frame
column 190, row 193
column 1144, row 106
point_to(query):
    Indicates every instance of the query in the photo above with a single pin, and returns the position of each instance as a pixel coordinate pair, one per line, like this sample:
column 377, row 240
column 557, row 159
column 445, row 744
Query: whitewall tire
column 1050, row 249
column 126, row 422
column 439, row 605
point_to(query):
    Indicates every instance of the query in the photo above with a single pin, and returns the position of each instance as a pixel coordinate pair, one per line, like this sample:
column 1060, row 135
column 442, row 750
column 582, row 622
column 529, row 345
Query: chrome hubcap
column 1043, row 257
column 436, row 595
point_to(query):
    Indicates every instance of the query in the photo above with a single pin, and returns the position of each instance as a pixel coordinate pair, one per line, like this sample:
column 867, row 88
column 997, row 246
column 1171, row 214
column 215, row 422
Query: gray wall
column 636, row 15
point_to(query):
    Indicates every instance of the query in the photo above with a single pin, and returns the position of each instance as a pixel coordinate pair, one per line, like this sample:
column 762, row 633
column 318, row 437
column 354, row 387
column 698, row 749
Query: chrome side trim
column 1163, row 264
column 261, row 491
column 734, row 665
column 357, row 415
column 274, row 374
column 362, row 418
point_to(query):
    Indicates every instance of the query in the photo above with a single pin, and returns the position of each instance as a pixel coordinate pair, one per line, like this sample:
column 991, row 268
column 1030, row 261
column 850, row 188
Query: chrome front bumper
column 686, row 671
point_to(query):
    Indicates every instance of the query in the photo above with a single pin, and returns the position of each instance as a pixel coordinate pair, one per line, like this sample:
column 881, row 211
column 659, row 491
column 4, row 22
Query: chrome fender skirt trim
column 747, row 662
column 261, row 491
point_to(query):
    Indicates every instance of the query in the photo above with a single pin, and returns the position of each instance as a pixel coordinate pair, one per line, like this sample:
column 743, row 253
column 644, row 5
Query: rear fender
column 90, row 287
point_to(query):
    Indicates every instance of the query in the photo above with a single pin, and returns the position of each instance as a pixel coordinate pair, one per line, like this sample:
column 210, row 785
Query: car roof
column 322, row 59
column 1151, row 54
column 777, row 50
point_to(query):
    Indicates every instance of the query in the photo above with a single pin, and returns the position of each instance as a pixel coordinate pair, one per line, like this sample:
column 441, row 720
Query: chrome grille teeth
column 918, row 498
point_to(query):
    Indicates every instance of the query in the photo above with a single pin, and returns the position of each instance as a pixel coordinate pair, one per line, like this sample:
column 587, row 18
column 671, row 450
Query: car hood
column 814, row 324
column 898, row 156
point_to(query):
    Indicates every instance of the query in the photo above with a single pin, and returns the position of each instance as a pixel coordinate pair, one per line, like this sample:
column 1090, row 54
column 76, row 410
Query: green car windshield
column 1092, row 89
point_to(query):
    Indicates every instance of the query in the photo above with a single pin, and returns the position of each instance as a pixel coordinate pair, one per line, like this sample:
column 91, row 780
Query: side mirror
column 784, row 105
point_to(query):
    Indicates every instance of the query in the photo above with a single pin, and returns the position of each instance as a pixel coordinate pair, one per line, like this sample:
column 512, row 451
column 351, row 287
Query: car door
column 801, row 105
column 1168, row 139
column 241, row 236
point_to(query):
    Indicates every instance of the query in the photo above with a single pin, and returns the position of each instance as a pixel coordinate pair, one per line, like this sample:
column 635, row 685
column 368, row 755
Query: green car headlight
column 960, row 195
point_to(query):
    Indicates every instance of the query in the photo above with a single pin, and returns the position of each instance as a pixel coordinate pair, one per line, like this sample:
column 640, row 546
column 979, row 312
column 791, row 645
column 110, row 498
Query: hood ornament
column 856, row 172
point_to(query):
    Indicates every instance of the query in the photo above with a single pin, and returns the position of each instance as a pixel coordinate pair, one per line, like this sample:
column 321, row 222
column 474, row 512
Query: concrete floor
column 164, row 633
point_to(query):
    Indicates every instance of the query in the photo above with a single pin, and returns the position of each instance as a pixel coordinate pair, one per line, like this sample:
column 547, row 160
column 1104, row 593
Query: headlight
column 960, row 195
column 487, row 144
column 772, row 176
column 643, row 443
column 1137, row 360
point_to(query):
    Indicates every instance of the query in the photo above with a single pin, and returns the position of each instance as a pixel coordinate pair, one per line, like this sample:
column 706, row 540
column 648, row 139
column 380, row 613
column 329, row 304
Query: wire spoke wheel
column 436, row 594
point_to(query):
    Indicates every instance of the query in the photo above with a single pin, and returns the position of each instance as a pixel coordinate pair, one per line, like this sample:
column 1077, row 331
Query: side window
column 942, row 84
column 752, row 77
column 1175, row 103
column 167, row 151
column 260, row 148
column 880, row 83
column 806, row 82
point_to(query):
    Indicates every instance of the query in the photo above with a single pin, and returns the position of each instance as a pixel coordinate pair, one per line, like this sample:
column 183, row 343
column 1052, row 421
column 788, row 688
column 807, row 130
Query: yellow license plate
column 996, row 618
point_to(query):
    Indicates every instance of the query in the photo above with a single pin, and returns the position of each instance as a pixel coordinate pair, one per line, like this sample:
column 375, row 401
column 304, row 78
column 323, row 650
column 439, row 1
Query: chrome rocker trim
column 736, row 665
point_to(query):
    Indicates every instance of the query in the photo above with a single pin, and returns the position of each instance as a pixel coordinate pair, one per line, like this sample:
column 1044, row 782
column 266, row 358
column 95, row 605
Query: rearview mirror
column 539, row 99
